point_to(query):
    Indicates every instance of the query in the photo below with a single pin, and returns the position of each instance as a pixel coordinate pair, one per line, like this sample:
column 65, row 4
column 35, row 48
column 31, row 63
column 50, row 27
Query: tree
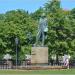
column 36, row 15
column 16, row 23
column 60, row 29
column 21, row 24
column 52, row 6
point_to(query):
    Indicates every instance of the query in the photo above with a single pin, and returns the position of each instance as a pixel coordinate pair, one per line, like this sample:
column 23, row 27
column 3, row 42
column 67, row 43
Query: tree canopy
column 19, row 23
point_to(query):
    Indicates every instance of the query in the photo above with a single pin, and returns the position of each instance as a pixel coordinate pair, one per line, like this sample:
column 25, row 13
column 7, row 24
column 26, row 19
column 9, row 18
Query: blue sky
column 31, row 5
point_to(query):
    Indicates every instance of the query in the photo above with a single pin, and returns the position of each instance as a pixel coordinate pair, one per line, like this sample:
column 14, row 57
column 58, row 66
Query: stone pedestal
column 39, row 55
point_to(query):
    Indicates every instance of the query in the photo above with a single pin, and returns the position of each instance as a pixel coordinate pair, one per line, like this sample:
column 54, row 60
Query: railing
column 72, row 63
column 5, row 64
column 11, row 64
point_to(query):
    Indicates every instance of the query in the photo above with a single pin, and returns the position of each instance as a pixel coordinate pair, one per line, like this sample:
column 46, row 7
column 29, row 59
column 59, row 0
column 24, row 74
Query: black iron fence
column 72, row 63
column 5, row 64
column 11, row 64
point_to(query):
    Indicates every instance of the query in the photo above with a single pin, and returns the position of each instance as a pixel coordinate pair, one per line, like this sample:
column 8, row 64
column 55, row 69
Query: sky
column 31, row 5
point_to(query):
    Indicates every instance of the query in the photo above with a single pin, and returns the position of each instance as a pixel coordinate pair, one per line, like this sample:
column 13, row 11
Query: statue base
column 39, row 55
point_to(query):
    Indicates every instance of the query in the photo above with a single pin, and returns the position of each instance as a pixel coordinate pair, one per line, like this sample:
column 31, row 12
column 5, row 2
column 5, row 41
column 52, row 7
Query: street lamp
column 16, row 42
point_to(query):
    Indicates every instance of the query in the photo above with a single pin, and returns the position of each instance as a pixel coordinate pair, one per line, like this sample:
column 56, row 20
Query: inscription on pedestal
column 39, row 55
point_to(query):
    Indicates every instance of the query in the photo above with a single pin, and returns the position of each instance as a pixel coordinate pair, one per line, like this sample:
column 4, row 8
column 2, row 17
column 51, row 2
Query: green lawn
column 37, row 72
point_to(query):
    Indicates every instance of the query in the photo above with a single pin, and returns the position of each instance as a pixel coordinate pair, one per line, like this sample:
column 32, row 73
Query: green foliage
column 52, row 6
column 61, row 30
column 16, row 23
column 36, row 15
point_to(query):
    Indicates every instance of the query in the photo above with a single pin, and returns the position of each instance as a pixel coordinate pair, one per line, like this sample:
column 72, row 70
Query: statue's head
column 43, row 15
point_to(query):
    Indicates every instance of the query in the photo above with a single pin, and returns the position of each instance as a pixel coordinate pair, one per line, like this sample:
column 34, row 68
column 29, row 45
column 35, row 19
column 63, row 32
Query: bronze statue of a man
column 42, row 29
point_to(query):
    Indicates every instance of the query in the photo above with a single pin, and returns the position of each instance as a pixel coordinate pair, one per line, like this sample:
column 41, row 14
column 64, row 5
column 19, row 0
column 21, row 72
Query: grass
column 37, row 72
